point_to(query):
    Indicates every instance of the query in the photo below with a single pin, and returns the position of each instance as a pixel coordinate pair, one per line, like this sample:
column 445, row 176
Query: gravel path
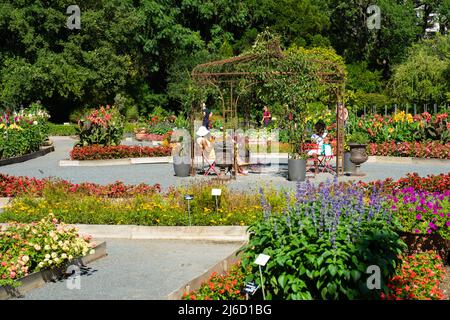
column 48, row 166
column 139, row 269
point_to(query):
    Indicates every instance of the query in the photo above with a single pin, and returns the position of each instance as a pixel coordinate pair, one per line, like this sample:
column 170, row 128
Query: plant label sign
column 216, row 192
column 250, row 288
column 262, row 259
column 188, row 197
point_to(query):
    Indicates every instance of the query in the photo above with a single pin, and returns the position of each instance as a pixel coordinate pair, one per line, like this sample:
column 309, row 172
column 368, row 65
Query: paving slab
column 139, row 270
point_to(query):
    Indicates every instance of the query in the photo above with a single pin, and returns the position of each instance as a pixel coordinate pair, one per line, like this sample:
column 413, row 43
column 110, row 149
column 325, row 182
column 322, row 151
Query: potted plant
column 180, row 154
column 358, row 155
column 297, row 155
column 349, row 167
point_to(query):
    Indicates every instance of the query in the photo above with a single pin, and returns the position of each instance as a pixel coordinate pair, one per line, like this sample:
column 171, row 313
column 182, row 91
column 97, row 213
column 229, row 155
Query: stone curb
column 114, row 162
column 204, row 233
column 221, row 267
column 38, row 279
column 42, row 152
column 407, row 160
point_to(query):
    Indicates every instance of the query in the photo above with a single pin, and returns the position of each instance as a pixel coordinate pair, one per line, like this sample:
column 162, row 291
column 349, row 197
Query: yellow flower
column 391, row 130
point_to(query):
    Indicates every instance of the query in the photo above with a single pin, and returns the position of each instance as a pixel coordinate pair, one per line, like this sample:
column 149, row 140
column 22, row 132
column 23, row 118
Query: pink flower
column 4, row 264
column 12, row 275
column 418, row 217
column 417, row 231
column 447, row 223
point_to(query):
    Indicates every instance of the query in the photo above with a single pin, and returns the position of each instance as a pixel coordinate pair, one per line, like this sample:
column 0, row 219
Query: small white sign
column 262, row 259
column 216, row 192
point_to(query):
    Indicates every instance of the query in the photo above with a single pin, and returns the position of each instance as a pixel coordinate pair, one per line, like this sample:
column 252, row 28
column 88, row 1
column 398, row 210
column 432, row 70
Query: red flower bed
column 11, row 186
column 432, row 149
column 430, row 183
column 97, row 152
column 418, row 278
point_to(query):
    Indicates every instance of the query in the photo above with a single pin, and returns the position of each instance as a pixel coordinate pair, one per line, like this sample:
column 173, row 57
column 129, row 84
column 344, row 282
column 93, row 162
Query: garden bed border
column 222, row 267
column 114, row 162
column 38, row 279
column 41, row 152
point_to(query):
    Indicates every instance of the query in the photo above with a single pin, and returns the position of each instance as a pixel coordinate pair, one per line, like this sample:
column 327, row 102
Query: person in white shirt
column 318, row 137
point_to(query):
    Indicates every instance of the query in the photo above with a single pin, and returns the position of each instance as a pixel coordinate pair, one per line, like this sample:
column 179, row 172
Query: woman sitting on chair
column 206, row 142
column 318, row 137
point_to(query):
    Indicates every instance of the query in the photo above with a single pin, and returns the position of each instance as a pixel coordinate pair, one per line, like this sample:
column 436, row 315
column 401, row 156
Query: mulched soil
column 445, row 284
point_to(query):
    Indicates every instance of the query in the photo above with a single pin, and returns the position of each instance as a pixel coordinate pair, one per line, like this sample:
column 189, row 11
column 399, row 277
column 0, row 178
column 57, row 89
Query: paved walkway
column 139, row 269
column 48, row 166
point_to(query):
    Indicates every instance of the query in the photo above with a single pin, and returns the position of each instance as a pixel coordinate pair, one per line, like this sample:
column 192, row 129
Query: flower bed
column 403, row 127
column 23, row 132
column 12, row 186
column 417, row 278
column 29, row 248
column 221, row 287
column 118, row 152
column 430, row 183
column 432, row 149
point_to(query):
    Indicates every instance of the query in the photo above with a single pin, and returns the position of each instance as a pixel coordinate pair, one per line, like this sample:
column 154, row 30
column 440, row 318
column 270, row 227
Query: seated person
column 318, row 137
column 206, row 142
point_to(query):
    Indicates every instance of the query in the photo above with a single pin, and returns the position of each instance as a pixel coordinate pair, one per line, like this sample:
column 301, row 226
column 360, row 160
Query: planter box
column 425, row 242
column 221, row 267
column 38, row 279
column 42, row 152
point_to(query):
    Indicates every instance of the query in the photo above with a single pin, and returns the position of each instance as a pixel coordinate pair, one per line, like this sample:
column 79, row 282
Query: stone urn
column 358, row 155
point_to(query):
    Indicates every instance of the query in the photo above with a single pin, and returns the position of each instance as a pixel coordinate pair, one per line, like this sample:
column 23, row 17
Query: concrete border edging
column 41, row 152
column 38, row 279
column 221, row 267
column 407, row 160
column 132, row 232
column 114, row 162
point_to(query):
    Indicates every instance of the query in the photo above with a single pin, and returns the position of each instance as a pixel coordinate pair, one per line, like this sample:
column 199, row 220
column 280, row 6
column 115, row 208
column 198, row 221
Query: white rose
column 41, row 265
column 63, row 256
column 25, row 259
column 70, row 257
column 47, row 247
column 54, row 247
column 50, row 262
column 37, row 247
column 47, row 256
column 56, row 260
column 92, row 251
column 54, row 255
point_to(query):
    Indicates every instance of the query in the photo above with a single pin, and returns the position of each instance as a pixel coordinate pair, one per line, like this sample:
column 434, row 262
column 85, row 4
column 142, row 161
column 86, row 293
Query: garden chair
column 312, row 160
column 325, row 157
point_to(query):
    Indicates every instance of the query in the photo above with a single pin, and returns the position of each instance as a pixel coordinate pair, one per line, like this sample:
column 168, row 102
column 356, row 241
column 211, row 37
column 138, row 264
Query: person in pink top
column 267, row 117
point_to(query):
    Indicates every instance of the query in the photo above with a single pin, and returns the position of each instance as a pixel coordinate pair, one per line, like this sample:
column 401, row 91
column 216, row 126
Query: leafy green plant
column 322, row 245
column 61, row 129
column 102, row 127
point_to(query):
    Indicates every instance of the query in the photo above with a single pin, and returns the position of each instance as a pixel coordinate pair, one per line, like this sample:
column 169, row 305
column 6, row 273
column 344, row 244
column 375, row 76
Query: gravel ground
column 139, row 269
column 445, row 284
column 48, row 166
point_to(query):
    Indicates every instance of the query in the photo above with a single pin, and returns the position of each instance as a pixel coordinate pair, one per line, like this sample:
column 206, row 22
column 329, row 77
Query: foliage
column 103, row 126
column 417, row 278
column 61, row 129
column 221, row 287
column 423, row 76
column 322, row 245
column 96, row 152
column 41, row 245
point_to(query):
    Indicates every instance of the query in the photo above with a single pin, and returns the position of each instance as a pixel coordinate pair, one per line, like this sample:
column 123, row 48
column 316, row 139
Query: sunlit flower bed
column 27, row 248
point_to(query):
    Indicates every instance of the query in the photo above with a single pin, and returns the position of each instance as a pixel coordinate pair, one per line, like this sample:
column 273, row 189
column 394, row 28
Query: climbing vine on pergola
column 293, row 78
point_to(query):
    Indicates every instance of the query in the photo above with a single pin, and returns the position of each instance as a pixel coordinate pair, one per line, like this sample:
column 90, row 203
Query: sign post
column 216, row 193
column 189, row 197
column 261, row 261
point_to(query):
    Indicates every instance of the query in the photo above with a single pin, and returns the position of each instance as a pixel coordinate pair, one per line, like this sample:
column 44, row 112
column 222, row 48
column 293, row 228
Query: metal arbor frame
column 226, row 79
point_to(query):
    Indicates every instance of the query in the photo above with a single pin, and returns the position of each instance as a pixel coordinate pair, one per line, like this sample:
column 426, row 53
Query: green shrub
column 62, row 130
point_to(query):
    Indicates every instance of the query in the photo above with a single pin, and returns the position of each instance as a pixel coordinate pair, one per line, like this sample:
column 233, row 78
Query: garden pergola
column 235, row 76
